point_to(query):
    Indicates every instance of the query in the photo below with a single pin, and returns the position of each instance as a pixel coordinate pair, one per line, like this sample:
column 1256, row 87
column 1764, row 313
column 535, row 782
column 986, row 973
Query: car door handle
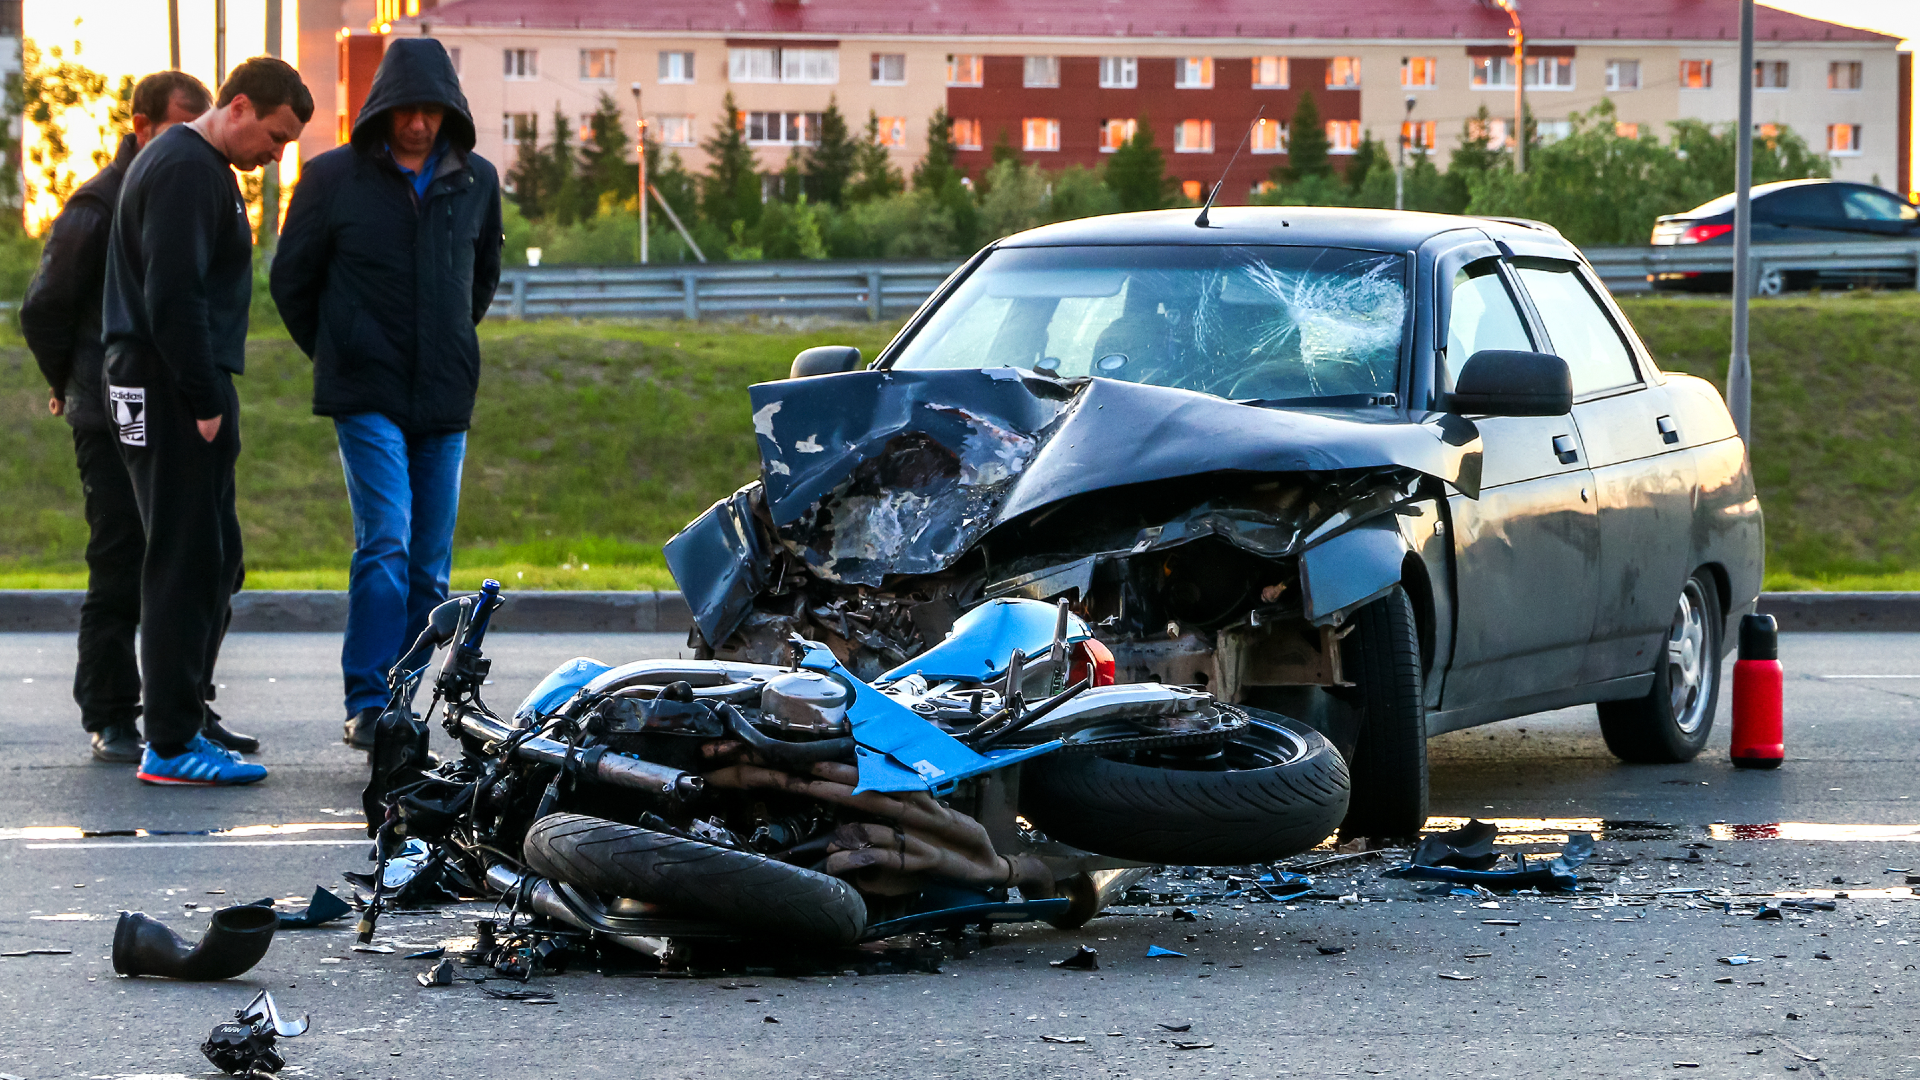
column 1564, row 449
column 1669, row 431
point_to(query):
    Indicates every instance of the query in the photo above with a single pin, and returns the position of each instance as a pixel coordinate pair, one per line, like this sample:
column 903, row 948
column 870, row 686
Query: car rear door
column 1803, row 212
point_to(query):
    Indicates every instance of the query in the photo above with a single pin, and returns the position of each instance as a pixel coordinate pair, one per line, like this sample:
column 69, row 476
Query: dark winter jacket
column 383, row 287
column 60, row 317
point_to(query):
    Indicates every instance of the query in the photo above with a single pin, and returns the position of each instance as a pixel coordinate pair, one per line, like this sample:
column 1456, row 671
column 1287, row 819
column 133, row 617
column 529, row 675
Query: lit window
column 673, row 130
column 596, row 65
column 1039, row 133
column 1042, row 71
column 1420, row 135
column 1193, row 73
column 1119, row 72
column 783, row 128
column 1550, row 72
column 889, row 69
column 1269, row 73
column 1493, row 131
column 1117, row 133
column 1767, row 132
column 965, row 134
column 520, row 126
column 1491, row 72
column 1194, row 190
column 1343, row 73
column 1625, row 130
column 522, row 64
column 1843, row 140
column 1267, row 137
column 1623, row 75
column 1193, row 137
column 963, row 69
column 1769, row 74
column 1418, row 72
column 815, row 66
column 1343, row 136
column 1696, row 74
column 893, row 132
column 676, row 67
column 1845, row 75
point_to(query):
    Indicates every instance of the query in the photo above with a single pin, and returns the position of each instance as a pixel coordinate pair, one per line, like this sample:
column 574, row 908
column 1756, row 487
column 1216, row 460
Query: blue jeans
column 405, row 491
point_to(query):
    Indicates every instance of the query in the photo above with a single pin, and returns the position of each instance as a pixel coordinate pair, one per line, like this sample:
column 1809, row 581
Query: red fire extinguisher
column 1759, row 740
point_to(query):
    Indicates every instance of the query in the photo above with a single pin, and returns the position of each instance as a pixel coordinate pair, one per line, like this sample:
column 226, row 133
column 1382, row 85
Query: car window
column 1481, row 316
column 1866, row 204
column 1800, row 203
column 1252, row 323
column 1578, row 329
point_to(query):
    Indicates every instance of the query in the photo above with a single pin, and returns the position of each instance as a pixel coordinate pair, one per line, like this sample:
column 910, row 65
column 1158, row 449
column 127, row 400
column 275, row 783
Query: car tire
column 1771, row 283
column 1382, row 657
column 1671, row 723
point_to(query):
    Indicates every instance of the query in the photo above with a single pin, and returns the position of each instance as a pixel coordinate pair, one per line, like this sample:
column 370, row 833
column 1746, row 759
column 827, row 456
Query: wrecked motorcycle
column 672, row 799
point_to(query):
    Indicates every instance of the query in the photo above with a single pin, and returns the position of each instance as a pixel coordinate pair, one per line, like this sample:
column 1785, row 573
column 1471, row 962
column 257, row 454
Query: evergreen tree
column 937, row 170
column 1371, row 156
column 874, row 175
column 604, row 169
column 1003, row 149
column 941, row 186
column 730, row 190
column 790, row 182
column 528, row 176
column 1474, row 157
column 831, row 161
column 560, row 173
column 1306, row 143
column 1137, row 172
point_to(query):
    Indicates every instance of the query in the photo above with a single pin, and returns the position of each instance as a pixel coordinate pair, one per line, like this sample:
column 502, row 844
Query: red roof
column 1546, row 20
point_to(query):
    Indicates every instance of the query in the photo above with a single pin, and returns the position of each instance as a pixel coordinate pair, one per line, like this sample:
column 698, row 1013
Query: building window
column 1343, row 73
column 522, row 64
column 1493, row 131
column 963, row 69
column 889, row 69
column 1696, row 74
column 1421, row 136
column 1769, row 74
column 1193, row 73
column 783, row 128
column 1039, row 133
column 518, row 126
column 1041, row 71
column 1625, row 130
column 1343, row 136
column 1269, row 73
column 1193, row 137
column 892, row 132
column 1552, row 131
column 676, row 67
column 1491, row 72
column 1843, row 140
column 1623, row 75
column 816, row 66
column 1766, row 133
column 1194, row 190
column 1117, row 133
column 596, row 65
column 965, row 134
column 1550, row 72
column 1418, row 72
column 1119, row 72
column 674, row 130
column 1267, row 137
column 1845, row 75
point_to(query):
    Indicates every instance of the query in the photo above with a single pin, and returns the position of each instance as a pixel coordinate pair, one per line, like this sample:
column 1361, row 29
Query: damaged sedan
column 1387, row 474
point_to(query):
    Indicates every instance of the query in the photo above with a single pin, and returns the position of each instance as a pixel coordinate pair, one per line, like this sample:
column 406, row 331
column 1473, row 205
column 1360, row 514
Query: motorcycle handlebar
column 617, row 770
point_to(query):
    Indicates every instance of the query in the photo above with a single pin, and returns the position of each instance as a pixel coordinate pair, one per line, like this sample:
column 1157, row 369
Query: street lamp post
column 1739, row 367
column 1519, row 36
column 1400, row 171
column 641, row 120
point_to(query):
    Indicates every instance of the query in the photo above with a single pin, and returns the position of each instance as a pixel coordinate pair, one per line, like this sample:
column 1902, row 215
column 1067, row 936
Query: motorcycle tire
column 1274, row 790
column 762, row 896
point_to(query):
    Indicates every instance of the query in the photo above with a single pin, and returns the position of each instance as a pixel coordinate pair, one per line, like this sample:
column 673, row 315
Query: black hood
column 415, row 71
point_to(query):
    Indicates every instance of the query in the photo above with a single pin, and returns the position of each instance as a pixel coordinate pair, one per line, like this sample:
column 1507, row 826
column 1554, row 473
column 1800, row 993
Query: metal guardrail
column 873, row 290
column 1625, row 269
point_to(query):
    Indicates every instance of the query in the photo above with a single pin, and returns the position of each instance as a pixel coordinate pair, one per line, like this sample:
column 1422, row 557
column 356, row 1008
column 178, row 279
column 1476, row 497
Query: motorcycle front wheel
column 1273, row 789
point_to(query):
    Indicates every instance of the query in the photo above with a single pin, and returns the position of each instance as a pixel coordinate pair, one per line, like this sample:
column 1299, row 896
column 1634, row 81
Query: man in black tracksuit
column 179, row 285
column 60, row 318
column 389, row 259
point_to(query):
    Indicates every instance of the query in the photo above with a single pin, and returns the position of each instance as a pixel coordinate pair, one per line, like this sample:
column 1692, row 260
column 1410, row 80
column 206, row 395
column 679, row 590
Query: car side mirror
column 825, row 360
column 1501, row 382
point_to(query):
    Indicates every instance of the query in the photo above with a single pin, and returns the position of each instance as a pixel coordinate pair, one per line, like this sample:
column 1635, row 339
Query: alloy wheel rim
column 1690, row 669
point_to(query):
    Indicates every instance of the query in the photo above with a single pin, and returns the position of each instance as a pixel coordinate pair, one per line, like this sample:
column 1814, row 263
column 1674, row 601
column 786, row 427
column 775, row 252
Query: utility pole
column 173, row 34
column 1739, row 369
column 640, row 119
column 270, row 175
column 1519, row 36
column 1400, row 171
column 219, row 44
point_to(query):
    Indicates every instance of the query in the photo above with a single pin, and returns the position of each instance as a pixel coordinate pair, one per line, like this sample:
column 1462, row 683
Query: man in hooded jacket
column 389, row 259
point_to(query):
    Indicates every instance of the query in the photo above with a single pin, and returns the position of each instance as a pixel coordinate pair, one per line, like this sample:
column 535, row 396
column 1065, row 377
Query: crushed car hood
column 872, row 473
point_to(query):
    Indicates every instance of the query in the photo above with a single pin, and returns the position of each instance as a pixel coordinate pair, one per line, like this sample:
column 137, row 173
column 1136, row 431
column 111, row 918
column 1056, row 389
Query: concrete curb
column 259, row 610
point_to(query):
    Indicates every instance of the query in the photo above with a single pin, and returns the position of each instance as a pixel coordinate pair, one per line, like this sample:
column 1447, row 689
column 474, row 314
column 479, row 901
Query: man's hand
column 209, row 428
column 56, row 404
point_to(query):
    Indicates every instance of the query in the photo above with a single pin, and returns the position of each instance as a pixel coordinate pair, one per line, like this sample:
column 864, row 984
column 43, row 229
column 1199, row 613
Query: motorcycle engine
column 806, row 703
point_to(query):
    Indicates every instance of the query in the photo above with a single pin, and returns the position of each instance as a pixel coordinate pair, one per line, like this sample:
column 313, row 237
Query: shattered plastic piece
column 1155, row 950
column 383, row 949
column 1085, row 959
column 1737, row 959
column 1727, row 979
column 1768, row 912
column 538, row 997
column 1183, row 915
column 1063, row 1038
column 1192, row 1045
column 775, row 1020
column 236, row 939
column 323, row 908
column 427, row 954
column 1557, row 874
column 1469, row 847
column 1331, row 950
column 1177, row 1028
column 441, row 974
column 244, row 1046
column 1454, row 976
column 1499, row 922
column 1821, row 956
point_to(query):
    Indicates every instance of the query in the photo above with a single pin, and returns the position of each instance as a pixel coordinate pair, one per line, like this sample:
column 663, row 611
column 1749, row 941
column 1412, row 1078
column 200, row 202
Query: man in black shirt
column 60, row 318
column 179, row 285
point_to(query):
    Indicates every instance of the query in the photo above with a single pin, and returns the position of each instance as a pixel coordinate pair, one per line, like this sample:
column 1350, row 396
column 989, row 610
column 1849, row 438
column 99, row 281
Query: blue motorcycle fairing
column 559, row 685
column 986, row 637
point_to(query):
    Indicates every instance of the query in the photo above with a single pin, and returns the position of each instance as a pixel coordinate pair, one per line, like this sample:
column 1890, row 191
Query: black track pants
column 106, row 682
column 184, row 486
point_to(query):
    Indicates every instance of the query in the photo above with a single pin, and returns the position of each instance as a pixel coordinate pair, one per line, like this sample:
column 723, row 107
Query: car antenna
column 1201, row 222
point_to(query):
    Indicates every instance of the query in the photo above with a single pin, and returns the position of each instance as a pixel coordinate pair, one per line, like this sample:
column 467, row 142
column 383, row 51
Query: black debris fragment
column 775, row 1020
column 1176, row 1028
column 325, row 907
column 1469, row 847
column 427, row 954
column 1559, row 873
column 1192, row 1045
column 1063, row 1038
column 1330, row 950
column 245, row 1045
column 538, row 997
column 1768, row 913
column 1183, row 915
column 440, row 974
column 1083, row 959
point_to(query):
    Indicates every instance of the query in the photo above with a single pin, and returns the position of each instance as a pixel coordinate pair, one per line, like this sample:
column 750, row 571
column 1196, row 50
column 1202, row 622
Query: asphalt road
column 1619, row 980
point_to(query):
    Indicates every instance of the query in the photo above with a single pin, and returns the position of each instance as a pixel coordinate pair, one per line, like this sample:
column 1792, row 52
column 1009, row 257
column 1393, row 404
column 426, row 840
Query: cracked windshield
column 1271, row 324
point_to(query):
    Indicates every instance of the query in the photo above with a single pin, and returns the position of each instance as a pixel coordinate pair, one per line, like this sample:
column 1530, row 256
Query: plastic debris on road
column 1155, row 950
column 323, row 908
column 1083, row 959
column 1465, row 856
column 244, row 1046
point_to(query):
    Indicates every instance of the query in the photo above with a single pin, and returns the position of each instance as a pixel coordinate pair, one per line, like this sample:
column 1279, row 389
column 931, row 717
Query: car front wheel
column 1671, row 723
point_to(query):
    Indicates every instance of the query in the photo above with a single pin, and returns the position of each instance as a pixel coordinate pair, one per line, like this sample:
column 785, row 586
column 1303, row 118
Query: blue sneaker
column 203, row 765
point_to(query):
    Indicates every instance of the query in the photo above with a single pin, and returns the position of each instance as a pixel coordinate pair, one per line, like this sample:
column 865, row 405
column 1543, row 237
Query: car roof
column 1723, row 204
column 1303, row 226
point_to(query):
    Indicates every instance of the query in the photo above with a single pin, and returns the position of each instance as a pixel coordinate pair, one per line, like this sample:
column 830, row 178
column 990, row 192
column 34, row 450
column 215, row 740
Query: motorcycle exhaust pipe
column 544, row 899
column 1092, row 891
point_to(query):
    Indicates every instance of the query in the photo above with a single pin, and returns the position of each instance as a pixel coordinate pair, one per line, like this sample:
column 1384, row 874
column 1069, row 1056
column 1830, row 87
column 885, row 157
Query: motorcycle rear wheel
column 1275, row 789
column 760, row 895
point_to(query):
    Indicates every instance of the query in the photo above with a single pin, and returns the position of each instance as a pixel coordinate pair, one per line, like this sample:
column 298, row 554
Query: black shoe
column 232, row 740
column 359, row 728
column 117, row 745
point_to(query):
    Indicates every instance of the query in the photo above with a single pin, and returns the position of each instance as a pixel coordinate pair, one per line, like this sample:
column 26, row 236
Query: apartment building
column 1064, row 82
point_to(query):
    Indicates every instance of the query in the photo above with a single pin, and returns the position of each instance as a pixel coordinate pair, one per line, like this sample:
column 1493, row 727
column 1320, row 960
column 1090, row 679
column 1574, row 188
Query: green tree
column 832, row 159
column 1136, row 172
column 937, row 170
column 1370, row 157
column 1003, row 149
column 527, row 178
column 1473, row 157
column 54, row 92
column 791, row 230
column 560, row 174
column 874, row 174
column 730, row 189
column 1306, row 143
column 605, row 173
column 939, row 179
